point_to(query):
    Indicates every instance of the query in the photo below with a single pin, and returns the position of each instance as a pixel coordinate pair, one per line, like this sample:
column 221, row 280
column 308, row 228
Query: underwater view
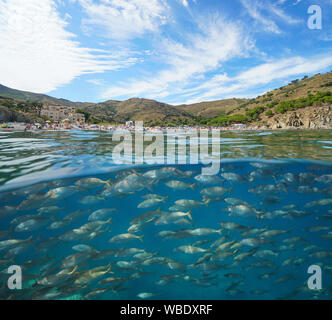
column 82, row 227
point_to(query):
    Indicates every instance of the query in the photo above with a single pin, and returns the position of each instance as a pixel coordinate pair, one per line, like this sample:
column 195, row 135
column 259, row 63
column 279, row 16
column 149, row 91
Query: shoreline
column 22, row 127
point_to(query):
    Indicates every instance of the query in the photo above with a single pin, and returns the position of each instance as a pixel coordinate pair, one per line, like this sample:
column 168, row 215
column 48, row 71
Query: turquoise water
column 252, row 232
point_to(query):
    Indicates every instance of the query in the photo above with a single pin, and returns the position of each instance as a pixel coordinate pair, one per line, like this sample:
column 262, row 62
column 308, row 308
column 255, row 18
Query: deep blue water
column 296, row 166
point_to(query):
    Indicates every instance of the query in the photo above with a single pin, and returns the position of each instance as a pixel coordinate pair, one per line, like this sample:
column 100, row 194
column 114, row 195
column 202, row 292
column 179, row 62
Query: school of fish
column 98, row 238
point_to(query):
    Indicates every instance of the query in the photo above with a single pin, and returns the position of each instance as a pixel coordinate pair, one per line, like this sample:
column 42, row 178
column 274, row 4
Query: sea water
column 297, row 164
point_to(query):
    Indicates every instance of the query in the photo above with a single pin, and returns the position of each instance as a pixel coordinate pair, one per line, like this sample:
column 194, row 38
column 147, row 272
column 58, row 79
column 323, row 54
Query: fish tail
column 275, row 179
column 206, row 203
column 149, row 187
column 109, row 267
column 189, row 215
column 140, row 238
column 259, row 215
column 193, row 186
column 74, row 270
column 109, row 220
column 231, row 189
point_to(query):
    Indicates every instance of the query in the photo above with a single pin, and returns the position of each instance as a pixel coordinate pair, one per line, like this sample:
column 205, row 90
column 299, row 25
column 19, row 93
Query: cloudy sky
column 175, row 51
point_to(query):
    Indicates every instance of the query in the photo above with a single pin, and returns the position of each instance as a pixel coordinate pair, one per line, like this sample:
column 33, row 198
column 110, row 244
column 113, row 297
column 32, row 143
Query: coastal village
column 62, row 113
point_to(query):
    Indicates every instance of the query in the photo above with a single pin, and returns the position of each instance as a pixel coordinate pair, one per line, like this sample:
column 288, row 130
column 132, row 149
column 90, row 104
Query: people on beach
column 61, row 126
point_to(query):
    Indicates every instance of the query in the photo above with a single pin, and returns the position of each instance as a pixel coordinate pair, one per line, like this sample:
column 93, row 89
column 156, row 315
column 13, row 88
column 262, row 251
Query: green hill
column 149, row 111
column 6, row 92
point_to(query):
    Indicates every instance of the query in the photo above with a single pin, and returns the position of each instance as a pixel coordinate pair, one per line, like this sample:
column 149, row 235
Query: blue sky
column 175, row 51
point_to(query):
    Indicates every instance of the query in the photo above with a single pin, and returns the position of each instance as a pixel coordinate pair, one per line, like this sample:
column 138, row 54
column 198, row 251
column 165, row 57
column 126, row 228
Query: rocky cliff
column 307, row 118
column 8, row 115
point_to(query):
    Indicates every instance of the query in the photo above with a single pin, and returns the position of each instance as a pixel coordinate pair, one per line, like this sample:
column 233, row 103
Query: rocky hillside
column 307, row 118
column 308, row 98
column 8, row 115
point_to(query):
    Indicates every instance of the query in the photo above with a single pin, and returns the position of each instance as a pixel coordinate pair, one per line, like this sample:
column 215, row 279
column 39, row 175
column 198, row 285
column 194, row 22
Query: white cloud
column 124, row 19
column 217, row 42
column 96, row 82
column 265, row 12
column 223, row 86
column 38, row 54
column 184, row 3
